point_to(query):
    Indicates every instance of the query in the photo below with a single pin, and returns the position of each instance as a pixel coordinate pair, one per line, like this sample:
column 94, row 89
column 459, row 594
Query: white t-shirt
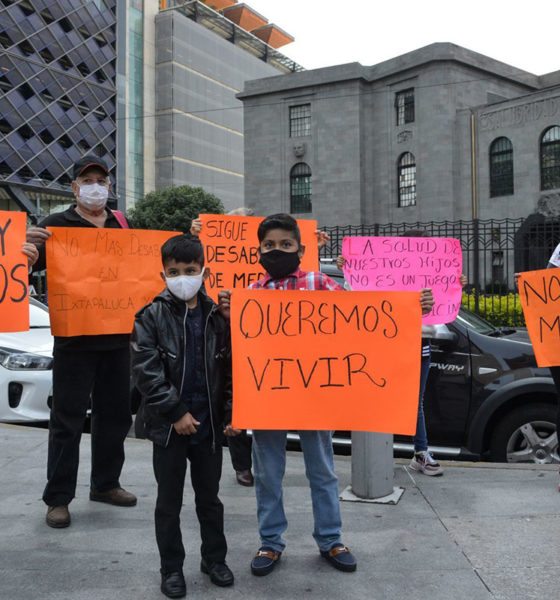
column 554, row 260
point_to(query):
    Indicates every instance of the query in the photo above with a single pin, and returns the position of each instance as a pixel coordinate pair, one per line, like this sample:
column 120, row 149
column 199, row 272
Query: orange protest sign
column 539, row 292
column 99, row 278
column 14, row 299
column 230, row 250
column 326, row 360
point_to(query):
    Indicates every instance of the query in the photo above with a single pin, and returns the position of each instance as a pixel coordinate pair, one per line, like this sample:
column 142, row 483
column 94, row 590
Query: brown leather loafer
column 116, row 496
column 245, row 478
column 340, row 557
column 264, row 561
column 58, row 516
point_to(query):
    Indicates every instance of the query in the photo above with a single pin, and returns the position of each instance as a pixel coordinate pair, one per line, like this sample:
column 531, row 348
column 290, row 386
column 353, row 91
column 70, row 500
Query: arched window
column 550, row 158
column 300, row 188
column 407, row 179
column 501, row 167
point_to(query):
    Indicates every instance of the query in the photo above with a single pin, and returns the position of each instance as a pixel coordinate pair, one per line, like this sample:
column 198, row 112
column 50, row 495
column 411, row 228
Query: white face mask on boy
column 185, row 287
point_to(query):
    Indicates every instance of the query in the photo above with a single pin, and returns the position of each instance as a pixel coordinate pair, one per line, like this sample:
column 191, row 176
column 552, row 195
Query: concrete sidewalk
column 481, row 531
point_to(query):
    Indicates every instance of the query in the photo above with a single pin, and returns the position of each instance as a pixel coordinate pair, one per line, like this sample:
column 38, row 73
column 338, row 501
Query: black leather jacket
column 158, row 359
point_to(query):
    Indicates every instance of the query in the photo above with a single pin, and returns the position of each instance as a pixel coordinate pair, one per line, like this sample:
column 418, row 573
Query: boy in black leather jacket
column 181, row 364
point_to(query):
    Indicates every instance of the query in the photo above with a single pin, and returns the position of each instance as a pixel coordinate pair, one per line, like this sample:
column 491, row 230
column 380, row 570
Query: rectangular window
column 300, row 120
column 407, row 186
column 404, row 105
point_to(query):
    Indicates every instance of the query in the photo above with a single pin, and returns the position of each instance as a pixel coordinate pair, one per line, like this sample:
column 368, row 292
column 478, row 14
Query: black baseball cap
column 88, row 161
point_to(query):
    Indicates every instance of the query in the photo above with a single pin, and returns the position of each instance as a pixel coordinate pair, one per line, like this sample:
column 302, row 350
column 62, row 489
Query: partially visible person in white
column 553, row 263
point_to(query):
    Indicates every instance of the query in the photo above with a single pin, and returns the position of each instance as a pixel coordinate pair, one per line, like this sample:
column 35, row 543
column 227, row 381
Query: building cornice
column 438, row 52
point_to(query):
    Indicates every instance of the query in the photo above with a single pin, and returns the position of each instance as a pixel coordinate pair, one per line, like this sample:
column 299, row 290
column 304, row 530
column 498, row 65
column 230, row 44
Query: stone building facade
column 441, row 133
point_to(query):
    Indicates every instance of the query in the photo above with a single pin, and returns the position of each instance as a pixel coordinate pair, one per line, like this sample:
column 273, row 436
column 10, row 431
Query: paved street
column 479, row 532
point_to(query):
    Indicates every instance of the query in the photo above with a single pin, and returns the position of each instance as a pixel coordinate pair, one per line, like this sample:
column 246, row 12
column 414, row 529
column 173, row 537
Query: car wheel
column 526, row 434
column 139, row 422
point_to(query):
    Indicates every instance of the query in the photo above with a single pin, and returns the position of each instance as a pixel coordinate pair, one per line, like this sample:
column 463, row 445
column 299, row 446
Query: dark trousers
column 103, row 377
column 555, row 372
column 240, row 451
column 170, row 467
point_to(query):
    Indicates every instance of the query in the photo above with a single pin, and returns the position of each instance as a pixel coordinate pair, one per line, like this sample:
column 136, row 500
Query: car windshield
column 38, row 315
column 472, row 321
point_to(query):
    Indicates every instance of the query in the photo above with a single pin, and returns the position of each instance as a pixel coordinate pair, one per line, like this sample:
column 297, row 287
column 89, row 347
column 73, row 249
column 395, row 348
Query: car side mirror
column 443, row 335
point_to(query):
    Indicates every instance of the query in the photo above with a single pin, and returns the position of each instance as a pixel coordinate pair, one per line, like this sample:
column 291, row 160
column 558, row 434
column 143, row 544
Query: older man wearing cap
column 95, row 367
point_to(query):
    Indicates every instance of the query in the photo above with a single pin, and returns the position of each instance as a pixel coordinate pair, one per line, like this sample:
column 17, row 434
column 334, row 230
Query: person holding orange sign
column 240, row 446
column 181, row 363
column 422, row 459
column 87, row 369
column 554, row 263
column 280, row 252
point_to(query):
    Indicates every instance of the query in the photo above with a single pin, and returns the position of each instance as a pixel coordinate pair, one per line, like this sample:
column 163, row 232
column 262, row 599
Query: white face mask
column 185, row 287
column 94, row 196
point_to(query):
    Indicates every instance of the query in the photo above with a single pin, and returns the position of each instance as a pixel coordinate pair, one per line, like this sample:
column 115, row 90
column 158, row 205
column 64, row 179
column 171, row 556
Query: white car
column 26, row 359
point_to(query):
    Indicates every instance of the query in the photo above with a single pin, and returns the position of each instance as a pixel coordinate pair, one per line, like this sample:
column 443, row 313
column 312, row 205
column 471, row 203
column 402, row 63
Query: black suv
column 485, row 396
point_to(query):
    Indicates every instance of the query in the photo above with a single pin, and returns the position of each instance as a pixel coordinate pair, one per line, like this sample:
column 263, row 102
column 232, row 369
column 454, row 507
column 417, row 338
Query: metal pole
column 476, row 265
column 372, row 464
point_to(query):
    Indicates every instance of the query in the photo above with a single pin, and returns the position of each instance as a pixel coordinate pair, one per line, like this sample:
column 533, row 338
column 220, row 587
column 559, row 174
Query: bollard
column 372, row 464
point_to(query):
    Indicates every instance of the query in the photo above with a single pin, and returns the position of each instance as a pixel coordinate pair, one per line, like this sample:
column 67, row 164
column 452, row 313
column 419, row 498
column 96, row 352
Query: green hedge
column 501, row 311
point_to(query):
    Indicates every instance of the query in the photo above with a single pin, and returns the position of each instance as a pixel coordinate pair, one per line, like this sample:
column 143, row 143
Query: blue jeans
column 269, row 464
column 421, row 437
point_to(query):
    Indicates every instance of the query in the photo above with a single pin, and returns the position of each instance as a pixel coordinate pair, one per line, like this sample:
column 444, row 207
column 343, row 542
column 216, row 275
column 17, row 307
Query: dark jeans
column 170, row 467
column 421, row 437
column 555, row 372
column 103, row 376
column 240, row 451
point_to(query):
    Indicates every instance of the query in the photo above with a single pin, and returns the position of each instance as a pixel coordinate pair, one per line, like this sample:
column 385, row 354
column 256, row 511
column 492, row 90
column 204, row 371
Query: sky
column 331, row 32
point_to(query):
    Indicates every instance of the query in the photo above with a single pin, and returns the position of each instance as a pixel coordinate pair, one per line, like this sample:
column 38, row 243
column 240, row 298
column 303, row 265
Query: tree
column 173, row 209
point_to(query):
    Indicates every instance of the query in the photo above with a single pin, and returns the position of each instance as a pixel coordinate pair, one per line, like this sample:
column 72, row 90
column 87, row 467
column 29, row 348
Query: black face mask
column 278, row 263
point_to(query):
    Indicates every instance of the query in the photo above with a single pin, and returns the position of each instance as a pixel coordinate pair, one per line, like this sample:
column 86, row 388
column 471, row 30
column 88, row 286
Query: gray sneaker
column 424, row 462
column 58, row 516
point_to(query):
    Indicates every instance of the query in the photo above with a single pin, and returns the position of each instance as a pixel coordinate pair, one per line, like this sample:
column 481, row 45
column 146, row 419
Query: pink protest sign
column 408, row 264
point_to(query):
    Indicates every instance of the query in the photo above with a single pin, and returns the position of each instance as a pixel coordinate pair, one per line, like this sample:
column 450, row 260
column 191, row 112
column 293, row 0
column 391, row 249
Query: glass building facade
column 135, row 104
column 57, row 89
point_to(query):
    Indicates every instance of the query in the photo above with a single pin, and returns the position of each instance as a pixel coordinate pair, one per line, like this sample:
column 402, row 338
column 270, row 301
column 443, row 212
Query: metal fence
column 493, row 250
